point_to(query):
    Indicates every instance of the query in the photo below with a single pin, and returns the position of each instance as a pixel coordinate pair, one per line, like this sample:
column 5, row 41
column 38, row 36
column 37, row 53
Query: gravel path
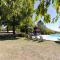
column 23, row 49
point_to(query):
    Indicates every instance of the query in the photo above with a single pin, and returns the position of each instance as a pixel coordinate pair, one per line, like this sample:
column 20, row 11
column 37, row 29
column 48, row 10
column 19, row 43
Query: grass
column 25, row 49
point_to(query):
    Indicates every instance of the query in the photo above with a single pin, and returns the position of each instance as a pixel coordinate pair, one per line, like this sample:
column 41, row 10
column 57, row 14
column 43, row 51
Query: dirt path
column 22, row 49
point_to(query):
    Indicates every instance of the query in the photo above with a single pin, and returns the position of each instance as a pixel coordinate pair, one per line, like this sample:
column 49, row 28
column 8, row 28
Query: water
column 54, row 37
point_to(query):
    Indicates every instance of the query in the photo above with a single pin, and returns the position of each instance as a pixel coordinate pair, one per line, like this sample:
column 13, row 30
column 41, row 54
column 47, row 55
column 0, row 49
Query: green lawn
column 24, row 49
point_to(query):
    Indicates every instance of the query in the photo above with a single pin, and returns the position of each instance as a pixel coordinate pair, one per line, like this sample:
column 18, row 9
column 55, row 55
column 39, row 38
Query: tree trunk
column 13, row 29
column 13, row 25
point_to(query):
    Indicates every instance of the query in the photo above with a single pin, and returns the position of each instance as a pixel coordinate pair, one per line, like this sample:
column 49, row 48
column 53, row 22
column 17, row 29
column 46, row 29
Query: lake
column 53, row 37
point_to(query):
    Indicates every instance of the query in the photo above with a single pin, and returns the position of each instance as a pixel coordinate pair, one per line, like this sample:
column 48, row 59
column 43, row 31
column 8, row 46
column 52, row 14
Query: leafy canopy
column 43, row 7
column 25, row 8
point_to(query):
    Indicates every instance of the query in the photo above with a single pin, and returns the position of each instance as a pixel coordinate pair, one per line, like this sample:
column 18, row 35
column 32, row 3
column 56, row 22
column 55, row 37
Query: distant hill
column 44, row 29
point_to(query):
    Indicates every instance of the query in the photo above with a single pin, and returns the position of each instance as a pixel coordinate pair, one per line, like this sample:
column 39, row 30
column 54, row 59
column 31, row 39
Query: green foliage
column 47, row 18
column 23, row 11
column 17, row 7
column 43, row 7
column 56, row 5
column 42, row 10
column 55, row 19
column 36, row 18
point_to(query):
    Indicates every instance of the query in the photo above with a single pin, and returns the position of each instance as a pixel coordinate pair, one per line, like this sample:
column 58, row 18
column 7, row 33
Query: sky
column 52, row 12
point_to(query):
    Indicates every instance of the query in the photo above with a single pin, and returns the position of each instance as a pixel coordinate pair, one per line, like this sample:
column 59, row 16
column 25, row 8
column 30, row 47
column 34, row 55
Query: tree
column 20, row 9
column 24, row 9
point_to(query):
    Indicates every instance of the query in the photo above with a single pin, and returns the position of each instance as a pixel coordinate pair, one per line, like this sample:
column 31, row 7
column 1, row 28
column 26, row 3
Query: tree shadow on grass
column 58, row 42
column 7, row 37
